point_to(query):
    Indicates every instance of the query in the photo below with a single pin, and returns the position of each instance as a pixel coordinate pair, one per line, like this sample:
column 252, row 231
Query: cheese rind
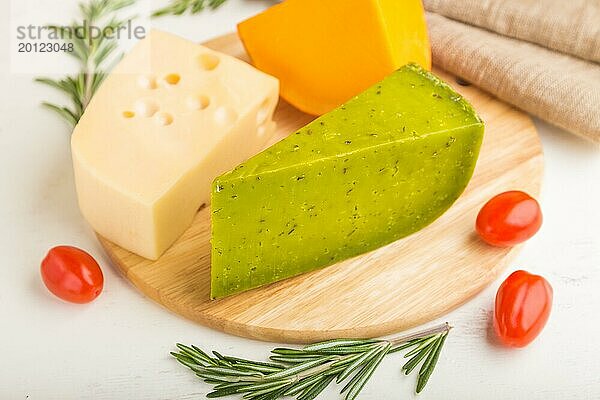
column 166, row 122
column 324, row 54
column 382, row 166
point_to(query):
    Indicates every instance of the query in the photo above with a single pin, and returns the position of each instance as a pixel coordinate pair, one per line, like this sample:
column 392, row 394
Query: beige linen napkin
column 568, row 26
column 559, row 88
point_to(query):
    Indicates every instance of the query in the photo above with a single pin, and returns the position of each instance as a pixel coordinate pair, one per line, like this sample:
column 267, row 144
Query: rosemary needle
column 304, row 373
column 92, row 52
column 179, row 7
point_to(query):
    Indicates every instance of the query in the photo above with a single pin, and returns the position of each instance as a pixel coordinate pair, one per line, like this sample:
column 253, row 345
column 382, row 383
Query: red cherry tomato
column 509, row 218
column 523, row 305
column 72, row 274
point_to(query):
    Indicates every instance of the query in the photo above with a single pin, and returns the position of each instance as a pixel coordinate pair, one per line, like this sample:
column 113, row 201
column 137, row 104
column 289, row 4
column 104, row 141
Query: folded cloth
column 568, row 26
column 561, row 89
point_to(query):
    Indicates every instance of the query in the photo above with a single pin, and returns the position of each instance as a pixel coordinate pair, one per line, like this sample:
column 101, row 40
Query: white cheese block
column 171, row 117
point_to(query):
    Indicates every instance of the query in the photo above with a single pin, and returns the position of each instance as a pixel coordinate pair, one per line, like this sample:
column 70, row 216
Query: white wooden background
column 117, row 347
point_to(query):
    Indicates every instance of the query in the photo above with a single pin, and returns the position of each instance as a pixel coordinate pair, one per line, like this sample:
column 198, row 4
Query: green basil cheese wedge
column 384, row 165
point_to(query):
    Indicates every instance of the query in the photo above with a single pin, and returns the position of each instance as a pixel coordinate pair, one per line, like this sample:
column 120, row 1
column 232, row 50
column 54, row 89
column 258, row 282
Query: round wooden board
column 406, row 283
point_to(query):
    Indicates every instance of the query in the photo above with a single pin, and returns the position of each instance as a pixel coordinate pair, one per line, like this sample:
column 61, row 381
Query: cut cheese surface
column 382, row 166
column 171, row 117
column 324, row 53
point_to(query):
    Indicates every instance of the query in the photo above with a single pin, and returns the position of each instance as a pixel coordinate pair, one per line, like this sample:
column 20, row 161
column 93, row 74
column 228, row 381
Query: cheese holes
column 163, row 119
column 263, row 112
column 147, row 82
column 146, row 107
column 172, row 79
column 208, row 62
column 198, row 102
column 225, row 115
column 261, row 131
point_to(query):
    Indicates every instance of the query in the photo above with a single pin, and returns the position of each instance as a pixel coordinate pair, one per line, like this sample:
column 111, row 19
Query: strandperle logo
column 86, row 31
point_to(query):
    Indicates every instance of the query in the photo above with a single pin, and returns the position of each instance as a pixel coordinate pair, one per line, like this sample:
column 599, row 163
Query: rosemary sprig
column 93, row 53
column 305, row 373
column 179, row 7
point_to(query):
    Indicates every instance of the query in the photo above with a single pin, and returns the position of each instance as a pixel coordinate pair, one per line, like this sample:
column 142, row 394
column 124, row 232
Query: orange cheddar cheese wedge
column 324, row 52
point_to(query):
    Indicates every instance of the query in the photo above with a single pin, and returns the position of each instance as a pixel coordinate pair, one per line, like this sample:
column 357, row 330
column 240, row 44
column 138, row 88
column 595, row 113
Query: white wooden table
column 117, row 347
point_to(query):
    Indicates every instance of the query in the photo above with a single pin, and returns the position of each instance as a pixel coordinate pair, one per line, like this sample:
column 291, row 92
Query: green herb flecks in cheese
column 384, row 165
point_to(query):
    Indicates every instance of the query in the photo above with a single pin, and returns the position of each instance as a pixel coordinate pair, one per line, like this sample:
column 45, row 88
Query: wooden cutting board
column 406, row 283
